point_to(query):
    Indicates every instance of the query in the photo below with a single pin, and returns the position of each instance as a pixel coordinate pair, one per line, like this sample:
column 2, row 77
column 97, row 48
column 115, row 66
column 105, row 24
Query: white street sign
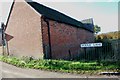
column 91, row 45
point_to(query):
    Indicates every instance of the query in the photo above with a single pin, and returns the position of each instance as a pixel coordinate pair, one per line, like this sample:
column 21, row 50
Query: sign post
column 92, row 45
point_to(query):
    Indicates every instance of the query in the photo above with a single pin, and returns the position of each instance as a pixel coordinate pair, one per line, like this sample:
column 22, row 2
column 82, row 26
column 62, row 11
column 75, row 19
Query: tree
column 97, row 29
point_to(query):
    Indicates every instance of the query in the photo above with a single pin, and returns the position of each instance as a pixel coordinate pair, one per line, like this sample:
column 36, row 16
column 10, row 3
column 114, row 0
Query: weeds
column 62, row 65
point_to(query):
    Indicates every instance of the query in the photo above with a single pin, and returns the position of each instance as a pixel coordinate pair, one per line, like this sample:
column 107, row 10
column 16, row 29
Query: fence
column 108, row 52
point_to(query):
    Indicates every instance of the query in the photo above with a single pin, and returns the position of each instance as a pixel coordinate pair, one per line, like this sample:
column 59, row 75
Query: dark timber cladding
column 57, row 16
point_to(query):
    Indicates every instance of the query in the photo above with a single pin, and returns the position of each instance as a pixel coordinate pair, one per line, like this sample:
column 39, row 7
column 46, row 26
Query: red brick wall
column 65, row 39
column 45, row 38
column 0, row 37
column 24, row 27
column 26, row 39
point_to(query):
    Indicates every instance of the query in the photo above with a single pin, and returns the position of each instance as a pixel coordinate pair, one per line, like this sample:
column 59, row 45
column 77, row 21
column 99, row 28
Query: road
column 10, row 71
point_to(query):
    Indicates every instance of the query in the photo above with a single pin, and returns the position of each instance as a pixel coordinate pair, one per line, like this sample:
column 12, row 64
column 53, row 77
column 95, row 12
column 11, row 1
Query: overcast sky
column 103, row 12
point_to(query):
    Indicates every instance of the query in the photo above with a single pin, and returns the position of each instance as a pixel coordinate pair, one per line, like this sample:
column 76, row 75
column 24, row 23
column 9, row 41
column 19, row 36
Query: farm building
column 0, row 37
column 1, row 33
column 35, row 30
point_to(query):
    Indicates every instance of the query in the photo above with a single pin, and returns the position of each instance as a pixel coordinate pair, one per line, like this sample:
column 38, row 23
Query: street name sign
column 91, row 45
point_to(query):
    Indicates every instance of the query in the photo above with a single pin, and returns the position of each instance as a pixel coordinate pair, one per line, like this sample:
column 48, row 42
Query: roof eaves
column 56, row 15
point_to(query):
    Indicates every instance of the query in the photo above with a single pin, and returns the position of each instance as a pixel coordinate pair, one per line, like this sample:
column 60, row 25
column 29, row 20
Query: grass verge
column 79, row 67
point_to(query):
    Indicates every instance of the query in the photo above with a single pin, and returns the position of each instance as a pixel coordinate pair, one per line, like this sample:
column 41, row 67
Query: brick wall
column 45, row 38
column 24, row 31
column 24, row 36
column 0, row 37
column 65, row 39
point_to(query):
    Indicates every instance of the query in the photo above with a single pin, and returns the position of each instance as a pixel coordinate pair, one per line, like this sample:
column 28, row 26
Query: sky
column 103, row 12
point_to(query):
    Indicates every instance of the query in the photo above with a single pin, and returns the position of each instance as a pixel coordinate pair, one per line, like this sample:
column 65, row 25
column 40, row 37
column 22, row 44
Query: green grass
column 62, row 65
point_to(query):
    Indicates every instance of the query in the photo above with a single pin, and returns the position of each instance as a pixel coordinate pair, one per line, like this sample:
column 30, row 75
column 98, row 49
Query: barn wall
column 23, row 32
column 65, row 39
column 45, row 38
column 0, row 37
column 27, row 35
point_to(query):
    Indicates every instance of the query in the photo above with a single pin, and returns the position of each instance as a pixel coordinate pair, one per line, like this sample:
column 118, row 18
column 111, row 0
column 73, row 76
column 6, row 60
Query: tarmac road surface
column 10, row 71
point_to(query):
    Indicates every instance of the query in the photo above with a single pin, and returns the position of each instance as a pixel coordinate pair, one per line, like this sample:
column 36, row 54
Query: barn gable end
column 23, row 31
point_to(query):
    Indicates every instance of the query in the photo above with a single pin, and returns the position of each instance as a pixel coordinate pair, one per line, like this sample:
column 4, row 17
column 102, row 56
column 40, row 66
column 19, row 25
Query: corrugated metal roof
column 57, row 16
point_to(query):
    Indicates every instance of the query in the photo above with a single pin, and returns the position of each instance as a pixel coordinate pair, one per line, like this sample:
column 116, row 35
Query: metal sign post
column 85, row 53
column 88, row 45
